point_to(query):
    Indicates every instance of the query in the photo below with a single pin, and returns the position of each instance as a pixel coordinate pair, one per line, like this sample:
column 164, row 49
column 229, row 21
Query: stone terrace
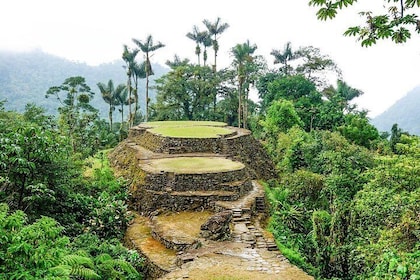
column 174, row 200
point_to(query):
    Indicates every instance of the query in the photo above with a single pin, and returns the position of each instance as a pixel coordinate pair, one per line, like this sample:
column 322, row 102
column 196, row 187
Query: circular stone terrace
column 192, row 165
column 188, row 129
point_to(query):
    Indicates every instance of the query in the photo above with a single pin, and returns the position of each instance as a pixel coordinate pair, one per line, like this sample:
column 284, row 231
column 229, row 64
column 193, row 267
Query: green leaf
column 401, row 35
column 61, row 270
column 84, row 272
column 345, row 3
column 326, row 13
column 317, row 2
column 368, row 42
column 76, row 260
column 412, row 3
column 352, row 31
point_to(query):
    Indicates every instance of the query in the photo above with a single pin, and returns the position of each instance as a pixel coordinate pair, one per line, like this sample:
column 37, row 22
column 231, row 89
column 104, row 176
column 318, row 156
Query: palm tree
column 343, row 94
column 243, row 56
column 147, row 47
column 215, row 29
column 108, row 95
column 196, row 36
column 129, row 58
column 138, row 72
column 207, row 42
column 121, row 99
column 177, row 62
column 284, row 57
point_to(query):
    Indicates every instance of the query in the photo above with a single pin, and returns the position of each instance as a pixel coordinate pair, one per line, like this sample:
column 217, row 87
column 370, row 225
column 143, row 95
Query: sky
column 94, row 32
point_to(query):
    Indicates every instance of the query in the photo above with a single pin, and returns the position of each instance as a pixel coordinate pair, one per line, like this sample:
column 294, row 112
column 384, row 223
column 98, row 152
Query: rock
column 217, row 227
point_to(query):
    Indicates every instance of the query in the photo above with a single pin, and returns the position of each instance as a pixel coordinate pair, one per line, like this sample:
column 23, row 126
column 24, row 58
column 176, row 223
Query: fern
column 84, row 272
column 115, row 266
column 102, row 258
column 76, row 260
column 125, row 266
column 63, row 271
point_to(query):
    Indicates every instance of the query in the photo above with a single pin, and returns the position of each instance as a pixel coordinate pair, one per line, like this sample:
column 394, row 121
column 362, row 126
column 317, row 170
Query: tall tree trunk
column 129, row 100
column 147, row 98
column 110, row 117
column 122, row 121
column 240, row 104
column 204, row 56
column 148, row 66
column 136, row 99
column 216, row 48
column 245, row 111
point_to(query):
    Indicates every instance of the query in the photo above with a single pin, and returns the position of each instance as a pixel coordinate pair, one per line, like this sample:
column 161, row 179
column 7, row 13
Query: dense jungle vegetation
column 345, row 205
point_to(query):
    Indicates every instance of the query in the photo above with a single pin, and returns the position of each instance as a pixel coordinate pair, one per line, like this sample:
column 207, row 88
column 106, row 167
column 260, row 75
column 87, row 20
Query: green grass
column 190, row 131
column 184, row 123
column 189, row 165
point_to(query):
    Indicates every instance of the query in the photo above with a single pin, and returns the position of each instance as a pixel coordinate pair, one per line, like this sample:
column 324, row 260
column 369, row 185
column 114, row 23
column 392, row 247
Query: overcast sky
column 94, row 32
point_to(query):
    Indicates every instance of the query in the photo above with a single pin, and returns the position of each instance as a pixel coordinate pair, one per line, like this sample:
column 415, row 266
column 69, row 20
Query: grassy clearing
column 191, row 165
column 190, row 131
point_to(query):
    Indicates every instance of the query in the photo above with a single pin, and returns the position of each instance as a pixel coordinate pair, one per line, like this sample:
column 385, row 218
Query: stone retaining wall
column 191, row 182
column 175, row 145
column 177, row 192
column 147, row 201
column 172, row 243
column 251, row 153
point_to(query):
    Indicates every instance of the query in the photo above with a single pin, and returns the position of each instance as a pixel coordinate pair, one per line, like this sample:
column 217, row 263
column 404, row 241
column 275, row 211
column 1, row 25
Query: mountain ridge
column 25, row 77
column 404, row 112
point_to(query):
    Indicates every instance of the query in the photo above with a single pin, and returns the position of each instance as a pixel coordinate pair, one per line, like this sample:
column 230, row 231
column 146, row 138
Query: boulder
column 217, row 227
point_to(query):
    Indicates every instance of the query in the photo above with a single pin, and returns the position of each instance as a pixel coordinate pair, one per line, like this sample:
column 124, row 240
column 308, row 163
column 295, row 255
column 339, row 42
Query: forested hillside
column 344, row 206
column 26, row 77
column 405, row 112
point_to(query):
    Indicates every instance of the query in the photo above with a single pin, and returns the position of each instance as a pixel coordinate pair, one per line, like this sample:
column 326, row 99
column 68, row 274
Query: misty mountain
column 26, row 77
column 405, row 112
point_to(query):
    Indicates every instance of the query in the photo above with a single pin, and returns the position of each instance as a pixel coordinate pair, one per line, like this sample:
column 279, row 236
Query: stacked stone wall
column 191, row 182
column 150, row 201
column 176, row 145
column 177, row 192
column 251, row 153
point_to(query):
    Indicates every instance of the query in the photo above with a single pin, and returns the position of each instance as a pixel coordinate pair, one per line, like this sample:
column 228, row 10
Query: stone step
column 246, row 210
column 261, row 244
column 260, row 200
column 240, row 220
column 272, row 246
